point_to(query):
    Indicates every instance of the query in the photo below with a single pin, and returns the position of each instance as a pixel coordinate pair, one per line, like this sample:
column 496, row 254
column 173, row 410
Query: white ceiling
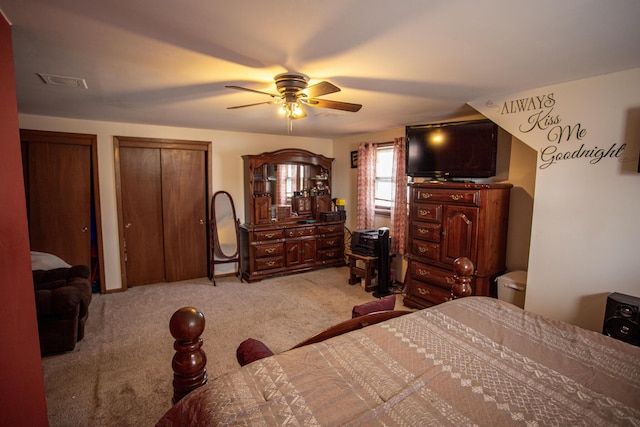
column 167, row 62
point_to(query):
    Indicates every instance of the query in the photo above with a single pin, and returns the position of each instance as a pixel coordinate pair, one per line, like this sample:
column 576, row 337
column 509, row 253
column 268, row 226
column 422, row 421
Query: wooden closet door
column 141, row 198
column 184, row 197
column 60, row 200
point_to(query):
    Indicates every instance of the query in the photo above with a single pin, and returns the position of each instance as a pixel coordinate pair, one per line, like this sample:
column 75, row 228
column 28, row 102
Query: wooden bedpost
column 189, row 362
column 463, row 273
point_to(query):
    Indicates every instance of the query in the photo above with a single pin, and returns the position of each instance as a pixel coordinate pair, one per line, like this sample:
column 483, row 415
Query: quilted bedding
column 472, row 361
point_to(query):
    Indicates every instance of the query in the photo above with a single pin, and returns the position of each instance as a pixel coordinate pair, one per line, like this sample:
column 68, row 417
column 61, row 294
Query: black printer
column 364, row 242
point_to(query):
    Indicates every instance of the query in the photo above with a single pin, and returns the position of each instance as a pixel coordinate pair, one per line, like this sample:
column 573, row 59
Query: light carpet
column 120, row 373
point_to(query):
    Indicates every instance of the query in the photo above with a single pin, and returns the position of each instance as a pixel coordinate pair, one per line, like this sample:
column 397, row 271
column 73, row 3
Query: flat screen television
column 452, row 150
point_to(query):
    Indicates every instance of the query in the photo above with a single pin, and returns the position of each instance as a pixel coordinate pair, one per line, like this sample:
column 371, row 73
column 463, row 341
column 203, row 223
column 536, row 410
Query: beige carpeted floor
column 120, row 374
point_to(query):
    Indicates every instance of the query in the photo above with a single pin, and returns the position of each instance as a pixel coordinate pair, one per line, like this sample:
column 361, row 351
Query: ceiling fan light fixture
column 294, row 91
column 296, row 110
column 291, row 109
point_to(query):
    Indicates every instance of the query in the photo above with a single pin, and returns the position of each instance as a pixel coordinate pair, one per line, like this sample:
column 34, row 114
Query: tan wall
column 584, row 237
column 516, row 164
column 583, row 241
column 226, row 161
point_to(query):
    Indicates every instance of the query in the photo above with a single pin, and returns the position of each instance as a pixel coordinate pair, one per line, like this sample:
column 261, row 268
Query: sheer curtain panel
column 366, row 185
column 398, row 227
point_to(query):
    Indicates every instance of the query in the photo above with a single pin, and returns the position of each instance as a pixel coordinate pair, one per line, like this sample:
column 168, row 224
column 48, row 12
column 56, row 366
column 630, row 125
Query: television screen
column 452, row 150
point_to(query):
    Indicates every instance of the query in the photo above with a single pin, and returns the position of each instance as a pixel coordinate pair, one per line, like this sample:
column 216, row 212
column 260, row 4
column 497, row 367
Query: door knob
column 84, row 229
column 127, row 225
column 202, row 221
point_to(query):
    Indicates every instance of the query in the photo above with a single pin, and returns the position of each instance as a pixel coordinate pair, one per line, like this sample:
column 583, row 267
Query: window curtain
column 399, row 208
column 366, row 185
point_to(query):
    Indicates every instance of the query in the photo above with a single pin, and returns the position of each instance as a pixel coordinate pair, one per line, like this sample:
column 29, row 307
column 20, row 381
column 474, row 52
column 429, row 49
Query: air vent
column 51, row 79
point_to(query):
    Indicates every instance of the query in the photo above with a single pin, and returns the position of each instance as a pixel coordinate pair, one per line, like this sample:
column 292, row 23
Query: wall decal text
column 564, row 138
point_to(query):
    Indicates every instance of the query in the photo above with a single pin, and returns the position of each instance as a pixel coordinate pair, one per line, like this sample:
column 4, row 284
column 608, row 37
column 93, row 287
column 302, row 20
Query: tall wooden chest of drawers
column 448, row 220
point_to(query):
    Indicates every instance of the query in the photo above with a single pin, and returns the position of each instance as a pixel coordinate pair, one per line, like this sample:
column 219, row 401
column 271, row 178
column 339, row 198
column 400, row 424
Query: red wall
column 22, row 398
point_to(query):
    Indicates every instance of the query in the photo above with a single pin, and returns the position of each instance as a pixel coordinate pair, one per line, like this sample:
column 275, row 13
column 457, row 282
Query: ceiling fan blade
column 319, row 89
column 253, row 90
column 336, row 105
column 251, row 105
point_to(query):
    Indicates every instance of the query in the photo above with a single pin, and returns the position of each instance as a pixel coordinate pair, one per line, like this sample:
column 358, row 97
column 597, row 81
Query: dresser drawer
column 300, row 232
column 330, row 229
column 432, row 275
column 427, row 212
column 330, row 254
column 426, row 250
column 330, row 242
column 426, row 231
column 469, row 197
column 262, row 251
column 260, row 236
column 432, row 294
column 269, row 263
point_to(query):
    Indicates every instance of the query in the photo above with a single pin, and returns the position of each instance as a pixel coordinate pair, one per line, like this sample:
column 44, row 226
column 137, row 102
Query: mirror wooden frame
column 218, row 256
column 258, row 197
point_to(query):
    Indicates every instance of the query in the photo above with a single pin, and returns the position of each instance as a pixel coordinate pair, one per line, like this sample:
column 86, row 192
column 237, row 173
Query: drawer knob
column 423, row 230
column 331, row 242
column 331, row 254
column 424, row 212
column 456, row 196
column 423, row 291
column 270, row 250
column 271, row 263
column 450, row 280
column 422, row 250
column 269, row 236
column 423, row 272
column 425, row 195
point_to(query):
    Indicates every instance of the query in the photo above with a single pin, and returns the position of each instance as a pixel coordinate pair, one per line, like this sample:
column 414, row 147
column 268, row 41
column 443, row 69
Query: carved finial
column 189, row 362
column 463, row 274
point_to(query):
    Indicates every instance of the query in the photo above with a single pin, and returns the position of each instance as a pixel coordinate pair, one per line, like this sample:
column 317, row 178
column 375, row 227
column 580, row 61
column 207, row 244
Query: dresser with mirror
column 291, row 224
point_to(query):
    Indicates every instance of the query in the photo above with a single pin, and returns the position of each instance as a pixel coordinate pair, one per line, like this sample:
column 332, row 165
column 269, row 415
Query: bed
column 470, row 361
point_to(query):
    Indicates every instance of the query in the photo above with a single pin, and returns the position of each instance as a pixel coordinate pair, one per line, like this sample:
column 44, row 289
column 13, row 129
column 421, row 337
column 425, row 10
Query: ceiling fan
column 296, row 93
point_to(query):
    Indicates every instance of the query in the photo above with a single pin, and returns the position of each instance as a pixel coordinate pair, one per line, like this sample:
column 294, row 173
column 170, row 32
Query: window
column 379, row 185
column 384, row 181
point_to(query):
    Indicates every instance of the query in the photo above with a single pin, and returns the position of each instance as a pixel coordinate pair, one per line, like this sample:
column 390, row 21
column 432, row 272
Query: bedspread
column 472, row 361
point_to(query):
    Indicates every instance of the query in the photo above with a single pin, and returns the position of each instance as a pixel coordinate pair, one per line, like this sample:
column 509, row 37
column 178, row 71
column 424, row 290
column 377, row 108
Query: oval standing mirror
column 224, row 232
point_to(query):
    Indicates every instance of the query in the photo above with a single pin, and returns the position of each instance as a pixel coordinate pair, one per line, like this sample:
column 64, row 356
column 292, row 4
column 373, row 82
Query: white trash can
column 512, row 287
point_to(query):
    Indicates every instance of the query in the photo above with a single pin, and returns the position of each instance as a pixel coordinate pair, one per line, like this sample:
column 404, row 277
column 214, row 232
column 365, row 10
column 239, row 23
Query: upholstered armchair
column 62, row 296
